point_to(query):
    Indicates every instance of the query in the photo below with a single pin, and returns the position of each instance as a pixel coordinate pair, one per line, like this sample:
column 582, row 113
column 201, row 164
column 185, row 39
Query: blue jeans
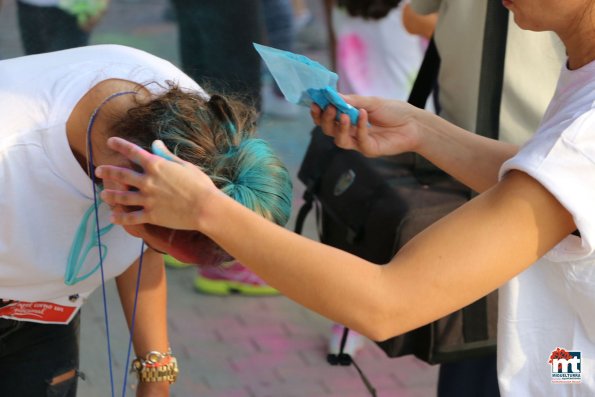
column 32, row 355
column 216, row 39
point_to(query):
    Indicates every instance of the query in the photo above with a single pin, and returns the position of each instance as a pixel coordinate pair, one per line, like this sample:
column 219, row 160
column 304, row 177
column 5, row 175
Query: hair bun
column 257, row 179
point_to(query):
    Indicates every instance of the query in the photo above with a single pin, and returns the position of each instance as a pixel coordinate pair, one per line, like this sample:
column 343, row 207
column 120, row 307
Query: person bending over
column 57, row 111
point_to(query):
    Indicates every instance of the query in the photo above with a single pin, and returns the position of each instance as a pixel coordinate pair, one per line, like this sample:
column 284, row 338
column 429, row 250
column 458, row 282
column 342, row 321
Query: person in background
column 302, row 15
column 280, row 33
column 374, row 54
column 215, row 40
column 53, row 25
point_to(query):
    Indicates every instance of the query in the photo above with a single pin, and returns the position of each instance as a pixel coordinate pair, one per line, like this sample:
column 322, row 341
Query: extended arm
column 454, row 262
column 150, row 329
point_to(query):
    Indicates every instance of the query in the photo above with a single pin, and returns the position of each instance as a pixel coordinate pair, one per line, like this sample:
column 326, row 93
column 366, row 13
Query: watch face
column 156, row 367
column 154, row 357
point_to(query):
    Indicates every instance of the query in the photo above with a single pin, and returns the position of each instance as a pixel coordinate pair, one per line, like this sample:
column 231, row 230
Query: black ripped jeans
column 32, row 354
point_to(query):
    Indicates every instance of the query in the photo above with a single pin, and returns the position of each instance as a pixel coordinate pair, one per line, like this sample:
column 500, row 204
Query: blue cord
column 140, row 266
column 95, row 203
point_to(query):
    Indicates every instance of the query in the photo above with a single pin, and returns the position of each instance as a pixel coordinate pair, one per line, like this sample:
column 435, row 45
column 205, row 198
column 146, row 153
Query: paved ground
column 232, row 346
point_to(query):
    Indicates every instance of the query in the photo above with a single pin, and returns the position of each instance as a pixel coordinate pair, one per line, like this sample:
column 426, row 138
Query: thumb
column 361, row 102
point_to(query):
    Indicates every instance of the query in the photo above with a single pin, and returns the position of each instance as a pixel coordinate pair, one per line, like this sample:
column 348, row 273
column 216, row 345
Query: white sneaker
column 354, row 343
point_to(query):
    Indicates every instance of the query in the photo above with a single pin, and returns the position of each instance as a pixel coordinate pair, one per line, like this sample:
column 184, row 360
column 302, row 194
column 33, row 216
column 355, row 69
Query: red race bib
column 39, row 312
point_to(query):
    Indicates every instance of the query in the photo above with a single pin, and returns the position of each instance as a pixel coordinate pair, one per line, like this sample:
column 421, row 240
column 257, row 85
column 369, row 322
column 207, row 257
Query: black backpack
column 372, row 207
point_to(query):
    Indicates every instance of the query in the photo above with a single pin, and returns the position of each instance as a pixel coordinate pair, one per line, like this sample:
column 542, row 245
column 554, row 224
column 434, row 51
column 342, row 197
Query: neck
column 78, row 122
column 580, row 42
column 76, row 131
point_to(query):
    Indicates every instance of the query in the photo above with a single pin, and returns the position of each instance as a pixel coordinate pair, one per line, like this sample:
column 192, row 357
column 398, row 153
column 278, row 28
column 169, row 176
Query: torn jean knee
column 32, row 355
column 63, row 384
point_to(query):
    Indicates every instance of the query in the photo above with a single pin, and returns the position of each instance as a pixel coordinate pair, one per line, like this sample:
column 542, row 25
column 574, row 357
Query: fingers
column 362, row 134
column 343, row 137
column 315, row 113
column 327, row 120
column 120, row 217
column 125, row 198
column 358, row 101
column 131, row 151
column 120, row 175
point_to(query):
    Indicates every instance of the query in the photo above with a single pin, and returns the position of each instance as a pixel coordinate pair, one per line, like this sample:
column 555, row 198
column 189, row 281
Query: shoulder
column 561, row 157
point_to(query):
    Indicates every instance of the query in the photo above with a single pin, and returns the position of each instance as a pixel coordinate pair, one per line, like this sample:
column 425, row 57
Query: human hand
column 167, row 193
column 385, row 127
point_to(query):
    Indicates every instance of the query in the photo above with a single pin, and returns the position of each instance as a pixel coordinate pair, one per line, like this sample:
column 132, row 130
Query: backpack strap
column 316, row 160
column 492, row 70
column 345, row 359
column 305, row 208
column 475, row 316
column 425, row 83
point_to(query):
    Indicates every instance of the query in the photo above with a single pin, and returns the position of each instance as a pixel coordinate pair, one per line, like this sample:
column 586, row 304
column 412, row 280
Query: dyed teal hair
column 218, row 135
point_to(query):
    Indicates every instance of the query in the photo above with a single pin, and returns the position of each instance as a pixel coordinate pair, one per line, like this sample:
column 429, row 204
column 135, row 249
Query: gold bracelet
column 156, row 367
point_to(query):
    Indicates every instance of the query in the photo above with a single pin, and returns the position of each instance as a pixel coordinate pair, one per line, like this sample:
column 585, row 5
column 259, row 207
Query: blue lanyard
column 79, row 250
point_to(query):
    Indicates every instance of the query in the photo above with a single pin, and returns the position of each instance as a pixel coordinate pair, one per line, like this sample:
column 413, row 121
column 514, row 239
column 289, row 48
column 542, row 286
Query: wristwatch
column 156, row 367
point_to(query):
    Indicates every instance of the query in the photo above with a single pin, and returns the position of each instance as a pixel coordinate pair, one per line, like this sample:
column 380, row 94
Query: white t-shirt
column 44, row 190
column 376, row 57
column 552, row 304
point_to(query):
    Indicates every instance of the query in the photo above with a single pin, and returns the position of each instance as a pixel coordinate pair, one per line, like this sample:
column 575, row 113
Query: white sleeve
column 564, row 163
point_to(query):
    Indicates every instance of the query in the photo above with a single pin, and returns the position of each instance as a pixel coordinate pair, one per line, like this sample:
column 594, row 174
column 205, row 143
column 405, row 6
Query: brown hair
column 219, row 136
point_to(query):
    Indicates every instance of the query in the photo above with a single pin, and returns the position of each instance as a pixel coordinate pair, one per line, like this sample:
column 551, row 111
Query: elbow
column 380, row 333
column 380, row 325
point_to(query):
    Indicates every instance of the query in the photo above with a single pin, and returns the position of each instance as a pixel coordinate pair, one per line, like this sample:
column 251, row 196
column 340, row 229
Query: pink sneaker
column 354, row 343
column 232, row 278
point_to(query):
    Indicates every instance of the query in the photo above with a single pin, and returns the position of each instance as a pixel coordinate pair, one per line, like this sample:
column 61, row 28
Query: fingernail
column 157, row 149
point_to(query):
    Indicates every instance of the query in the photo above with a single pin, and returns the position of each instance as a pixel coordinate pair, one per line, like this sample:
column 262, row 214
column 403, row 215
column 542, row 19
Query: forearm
column 150, row 329
column 150, row 322
column 294, row 265
column 472, row 159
